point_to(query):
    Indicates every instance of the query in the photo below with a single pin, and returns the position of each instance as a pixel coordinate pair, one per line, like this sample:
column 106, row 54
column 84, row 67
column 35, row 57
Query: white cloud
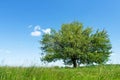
column 37, row 28
column 47, row 31
column 35, row 33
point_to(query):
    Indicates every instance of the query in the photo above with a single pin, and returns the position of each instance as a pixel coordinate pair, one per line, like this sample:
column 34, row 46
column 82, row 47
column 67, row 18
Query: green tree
column 76, row 45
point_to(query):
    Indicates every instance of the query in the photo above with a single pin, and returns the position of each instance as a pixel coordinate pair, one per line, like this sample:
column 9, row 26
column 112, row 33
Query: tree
column 76, row 45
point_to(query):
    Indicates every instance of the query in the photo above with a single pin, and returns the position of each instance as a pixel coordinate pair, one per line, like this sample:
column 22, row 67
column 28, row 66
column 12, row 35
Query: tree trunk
column 74, row 63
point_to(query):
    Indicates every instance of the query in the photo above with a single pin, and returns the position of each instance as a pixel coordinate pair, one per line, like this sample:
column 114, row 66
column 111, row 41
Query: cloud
column 37, row 28
column 36, row 31
column 46, row 31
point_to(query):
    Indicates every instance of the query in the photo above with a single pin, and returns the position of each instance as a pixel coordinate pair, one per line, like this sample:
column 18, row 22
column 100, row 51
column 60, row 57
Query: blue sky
column 22, row 22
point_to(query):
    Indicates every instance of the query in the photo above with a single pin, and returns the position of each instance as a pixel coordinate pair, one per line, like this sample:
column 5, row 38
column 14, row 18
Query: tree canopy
column 76, row 45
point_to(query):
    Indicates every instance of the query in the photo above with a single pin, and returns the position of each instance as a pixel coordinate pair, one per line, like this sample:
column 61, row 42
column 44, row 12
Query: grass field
column 108, row 72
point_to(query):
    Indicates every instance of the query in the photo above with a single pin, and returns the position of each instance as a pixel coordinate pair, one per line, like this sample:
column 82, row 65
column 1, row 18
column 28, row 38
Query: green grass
column 108, row 72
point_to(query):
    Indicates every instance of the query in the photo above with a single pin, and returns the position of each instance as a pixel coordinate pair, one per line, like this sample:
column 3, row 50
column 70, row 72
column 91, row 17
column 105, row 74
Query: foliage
column 75, row 45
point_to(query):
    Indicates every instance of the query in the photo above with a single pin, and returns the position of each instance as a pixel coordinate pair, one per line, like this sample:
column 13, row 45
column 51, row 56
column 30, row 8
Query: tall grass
column 108, row 72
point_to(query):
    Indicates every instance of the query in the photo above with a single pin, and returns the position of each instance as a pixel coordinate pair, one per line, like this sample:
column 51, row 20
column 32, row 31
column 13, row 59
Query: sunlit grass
column 102, row 72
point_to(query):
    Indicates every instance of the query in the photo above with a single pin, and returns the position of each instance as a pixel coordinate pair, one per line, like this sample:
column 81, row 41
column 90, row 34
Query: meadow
column 101, row 72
